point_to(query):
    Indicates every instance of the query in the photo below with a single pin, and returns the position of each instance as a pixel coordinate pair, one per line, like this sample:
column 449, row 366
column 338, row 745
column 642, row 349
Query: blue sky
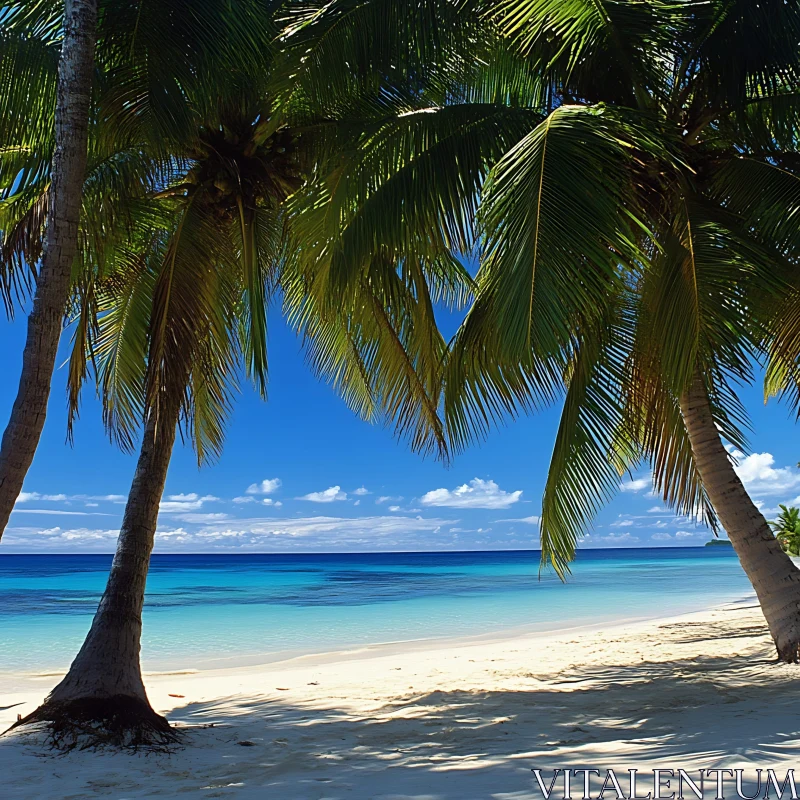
column 302, row 473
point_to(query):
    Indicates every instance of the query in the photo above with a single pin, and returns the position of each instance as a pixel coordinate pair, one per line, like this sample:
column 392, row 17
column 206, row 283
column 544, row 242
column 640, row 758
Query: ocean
column 219, row 610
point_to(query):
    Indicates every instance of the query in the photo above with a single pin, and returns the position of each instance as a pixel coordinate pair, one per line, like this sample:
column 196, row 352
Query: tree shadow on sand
column 467, row 745
column 696, row 713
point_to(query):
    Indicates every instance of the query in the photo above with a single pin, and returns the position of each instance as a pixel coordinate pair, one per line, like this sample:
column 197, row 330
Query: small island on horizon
column 719, row 542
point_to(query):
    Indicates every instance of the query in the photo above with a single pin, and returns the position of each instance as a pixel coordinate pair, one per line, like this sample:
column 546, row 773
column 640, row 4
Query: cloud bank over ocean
column 268, row 516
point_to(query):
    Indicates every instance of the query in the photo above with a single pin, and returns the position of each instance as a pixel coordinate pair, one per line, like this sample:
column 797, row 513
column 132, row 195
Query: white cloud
column 200, row 532
column 241, row 500
column 337, row 527
column 361, row 490
column 760, row 477
column 59, row 512
column 357, row 503
column 329, row 495
column 49, row 539
column 267, row 486
column 26, row 497
column 268, row 501
column 477, row 494
column 176, row 503
column 385, row 498
column 174, row 507
column 212, row 517
column 534, row 520
column 617, row 538
column 178, row 534
column 624, row 523
column 656, row 510
column 663, row 536
column 636, row 485
column 394, row 508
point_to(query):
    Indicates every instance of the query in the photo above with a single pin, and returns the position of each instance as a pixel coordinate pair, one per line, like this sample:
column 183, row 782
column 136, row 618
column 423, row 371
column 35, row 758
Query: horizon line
column 375, row 552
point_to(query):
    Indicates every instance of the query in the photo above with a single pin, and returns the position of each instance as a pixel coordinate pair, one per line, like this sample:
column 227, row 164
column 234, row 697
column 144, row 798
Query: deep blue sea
column 213, row 610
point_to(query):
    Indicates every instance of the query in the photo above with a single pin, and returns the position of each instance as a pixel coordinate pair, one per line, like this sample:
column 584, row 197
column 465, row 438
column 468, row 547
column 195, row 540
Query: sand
column 455, row 720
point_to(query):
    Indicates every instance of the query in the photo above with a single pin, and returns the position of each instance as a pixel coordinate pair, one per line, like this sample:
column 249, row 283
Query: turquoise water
column 209, row 610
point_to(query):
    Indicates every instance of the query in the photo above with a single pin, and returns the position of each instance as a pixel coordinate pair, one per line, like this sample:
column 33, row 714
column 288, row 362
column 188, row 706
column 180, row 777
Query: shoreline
column 347, row 652
column 30, row 683
column 464, row 720
column 421, row 645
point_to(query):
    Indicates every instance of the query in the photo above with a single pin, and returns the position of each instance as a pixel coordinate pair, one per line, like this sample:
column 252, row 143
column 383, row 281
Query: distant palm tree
column 787, row 529
column 132, row 63
column 628, row 174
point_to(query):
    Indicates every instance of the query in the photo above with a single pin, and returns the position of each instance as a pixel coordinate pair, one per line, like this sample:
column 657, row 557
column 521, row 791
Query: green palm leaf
column 535, row 283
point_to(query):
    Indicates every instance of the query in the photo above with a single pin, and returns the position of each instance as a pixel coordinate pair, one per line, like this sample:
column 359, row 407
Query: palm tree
column 652, row 305
column 628, row 173
column 71, row 121
column 174, row 306
column 167, row 331
column 787, row 529
column 130, row 48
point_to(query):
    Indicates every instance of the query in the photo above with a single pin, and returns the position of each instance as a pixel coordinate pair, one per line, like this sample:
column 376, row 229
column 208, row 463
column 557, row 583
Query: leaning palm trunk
column 24, row 428
column 772, row 573
column 102, row 698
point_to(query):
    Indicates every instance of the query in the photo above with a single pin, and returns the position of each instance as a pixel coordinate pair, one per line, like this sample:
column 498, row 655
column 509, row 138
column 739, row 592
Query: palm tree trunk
column 24, row 428
column 773, row 575
column 102, row 696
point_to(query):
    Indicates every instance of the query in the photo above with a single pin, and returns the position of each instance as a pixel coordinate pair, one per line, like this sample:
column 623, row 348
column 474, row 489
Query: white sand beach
column 460, row 720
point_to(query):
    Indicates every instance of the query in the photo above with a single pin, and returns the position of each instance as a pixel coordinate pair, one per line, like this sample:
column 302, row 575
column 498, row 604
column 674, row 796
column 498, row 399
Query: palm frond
column 214, row 376
column 30, row 42
column 339, row 53
column 81, row 354
column 22, row 220
column 536, row 283
column 589, row 46
column 161, row 59
column 592, row 448
column 380, row 348
column 262, row 250
column 743, row 49
column 411, row 187
column 183, row 299
column 124, row 307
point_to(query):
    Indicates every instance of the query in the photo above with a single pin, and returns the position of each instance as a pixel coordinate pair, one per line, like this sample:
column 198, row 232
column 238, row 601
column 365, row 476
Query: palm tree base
column 120, row 722
column 789, row 652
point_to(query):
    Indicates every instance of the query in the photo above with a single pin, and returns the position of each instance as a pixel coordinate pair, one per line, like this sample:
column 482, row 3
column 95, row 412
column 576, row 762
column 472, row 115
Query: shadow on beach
column 701, row 712
column 705, row 712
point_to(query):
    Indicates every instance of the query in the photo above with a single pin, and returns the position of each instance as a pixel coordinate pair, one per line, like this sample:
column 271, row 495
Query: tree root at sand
column 120, row 722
